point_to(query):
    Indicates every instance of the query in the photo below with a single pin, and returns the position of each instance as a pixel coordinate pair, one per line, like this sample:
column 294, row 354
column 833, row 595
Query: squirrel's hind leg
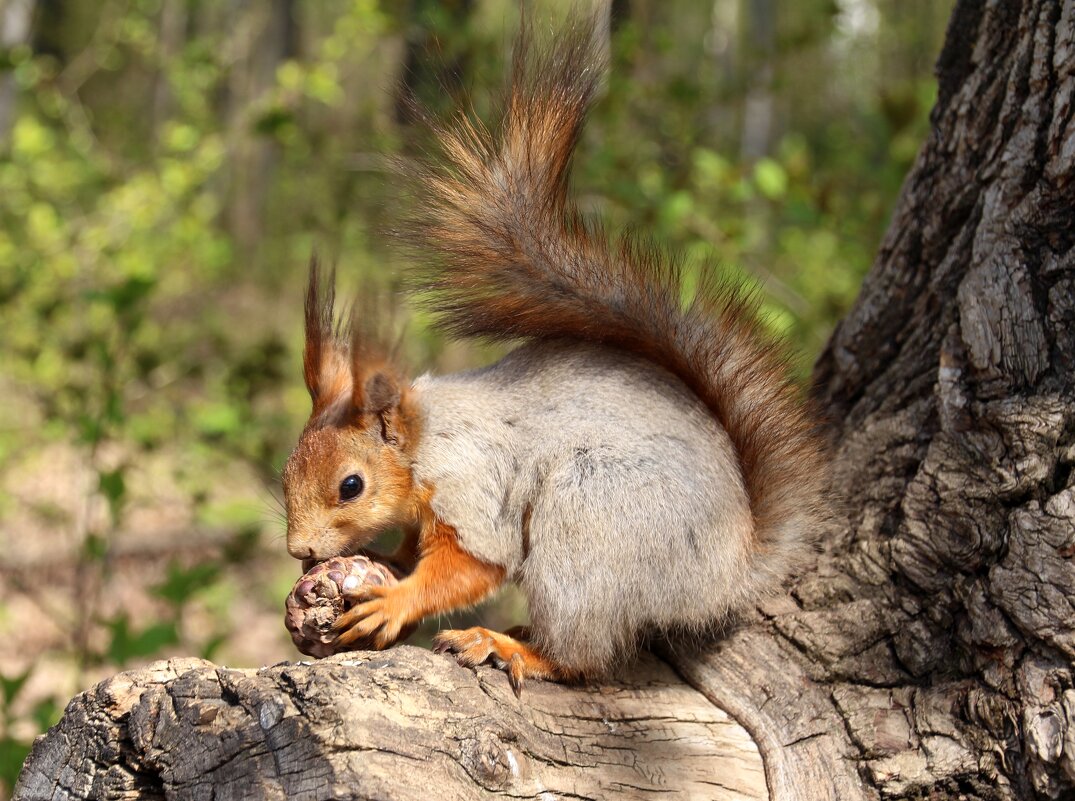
column 508, row 652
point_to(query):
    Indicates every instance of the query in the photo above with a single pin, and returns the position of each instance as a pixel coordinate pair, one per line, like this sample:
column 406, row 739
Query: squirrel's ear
column 379, row 399
column 377, row 392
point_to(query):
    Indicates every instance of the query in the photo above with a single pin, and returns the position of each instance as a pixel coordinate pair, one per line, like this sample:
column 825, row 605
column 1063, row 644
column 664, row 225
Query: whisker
column 274, row 522
column 271, row 495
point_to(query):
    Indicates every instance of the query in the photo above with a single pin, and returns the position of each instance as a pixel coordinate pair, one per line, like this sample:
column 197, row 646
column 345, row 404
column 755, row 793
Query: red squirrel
column 638, row 464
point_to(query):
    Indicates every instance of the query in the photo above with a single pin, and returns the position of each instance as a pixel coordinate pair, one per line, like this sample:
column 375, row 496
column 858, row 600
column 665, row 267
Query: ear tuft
column 320, row 310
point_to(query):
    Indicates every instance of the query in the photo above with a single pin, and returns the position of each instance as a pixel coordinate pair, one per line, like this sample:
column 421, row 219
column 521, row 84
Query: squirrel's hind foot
column 476, row 646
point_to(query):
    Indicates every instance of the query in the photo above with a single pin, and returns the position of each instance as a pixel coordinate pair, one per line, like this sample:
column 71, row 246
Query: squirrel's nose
column 300, row 551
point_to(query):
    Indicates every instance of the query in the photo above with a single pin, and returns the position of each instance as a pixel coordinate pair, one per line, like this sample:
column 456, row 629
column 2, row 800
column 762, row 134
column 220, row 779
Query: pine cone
column 323, row 594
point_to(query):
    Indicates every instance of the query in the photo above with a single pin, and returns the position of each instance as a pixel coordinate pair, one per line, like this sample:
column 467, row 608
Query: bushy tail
column 508, row 256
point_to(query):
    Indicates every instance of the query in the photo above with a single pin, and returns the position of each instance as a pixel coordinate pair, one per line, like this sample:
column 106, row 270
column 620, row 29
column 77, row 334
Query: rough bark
column 929, row 654
column 403, row 724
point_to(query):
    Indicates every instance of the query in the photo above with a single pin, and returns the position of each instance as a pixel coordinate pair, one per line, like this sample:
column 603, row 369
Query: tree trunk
column 953, row 381
column 759, row 53
column 930, row 652
column 15, row 23
column 929, row 655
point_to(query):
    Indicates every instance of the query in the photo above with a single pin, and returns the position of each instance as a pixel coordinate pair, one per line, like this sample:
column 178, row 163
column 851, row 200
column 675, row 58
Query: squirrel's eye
column 350, row 488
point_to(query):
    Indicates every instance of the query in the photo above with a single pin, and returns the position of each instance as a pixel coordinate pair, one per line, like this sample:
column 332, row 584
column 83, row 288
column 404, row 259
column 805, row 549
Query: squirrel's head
column 349, row 478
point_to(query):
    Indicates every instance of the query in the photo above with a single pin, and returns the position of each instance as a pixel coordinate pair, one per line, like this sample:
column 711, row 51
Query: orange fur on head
column 363, row 423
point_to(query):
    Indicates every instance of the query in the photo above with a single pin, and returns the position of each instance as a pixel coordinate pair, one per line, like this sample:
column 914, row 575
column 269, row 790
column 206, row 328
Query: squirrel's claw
column 476, row 646
column 516, row 670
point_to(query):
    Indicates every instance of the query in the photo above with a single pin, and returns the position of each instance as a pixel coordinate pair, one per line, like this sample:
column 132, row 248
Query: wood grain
column 400, row 724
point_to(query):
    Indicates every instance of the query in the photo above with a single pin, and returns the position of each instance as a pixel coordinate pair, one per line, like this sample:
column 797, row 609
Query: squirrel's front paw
column 381, row 614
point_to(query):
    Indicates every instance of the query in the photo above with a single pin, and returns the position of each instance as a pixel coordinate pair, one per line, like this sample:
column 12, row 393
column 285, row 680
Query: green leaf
column 126, row 645
column 242, row 545
column 12, row 754
column 95, row 547
column 212, row 645
column 181, row 138
column 112, row 485
column 182, row 583
column 676, row 208
column 218, row 419
column 126, row 296
column 46, row 713
column 10, row 687
column 90, row 429
column 273, row 119
column 770, row 179
column 114, row 488
column 709, row 166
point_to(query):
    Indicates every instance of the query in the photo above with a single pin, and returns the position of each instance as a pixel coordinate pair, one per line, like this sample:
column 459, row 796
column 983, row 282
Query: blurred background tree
column 167, row 166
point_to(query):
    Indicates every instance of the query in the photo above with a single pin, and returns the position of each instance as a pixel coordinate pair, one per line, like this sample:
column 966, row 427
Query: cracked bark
column 929, row 654
column 401, row 724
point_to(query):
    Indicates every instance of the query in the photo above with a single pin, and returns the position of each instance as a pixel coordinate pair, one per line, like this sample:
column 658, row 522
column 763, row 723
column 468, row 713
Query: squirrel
column 638, row 464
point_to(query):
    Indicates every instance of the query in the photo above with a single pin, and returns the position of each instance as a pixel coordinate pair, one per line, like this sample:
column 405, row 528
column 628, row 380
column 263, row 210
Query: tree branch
column 399, row 724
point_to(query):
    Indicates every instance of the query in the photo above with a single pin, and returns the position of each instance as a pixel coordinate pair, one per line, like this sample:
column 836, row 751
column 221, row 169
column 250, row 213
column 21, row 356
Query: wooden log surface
column 399, row 724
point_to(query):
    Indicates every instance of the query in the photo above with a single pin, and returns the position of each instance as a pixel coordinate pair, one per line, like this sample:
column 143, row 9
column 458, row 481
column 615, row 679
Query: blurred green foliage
column 166, row 167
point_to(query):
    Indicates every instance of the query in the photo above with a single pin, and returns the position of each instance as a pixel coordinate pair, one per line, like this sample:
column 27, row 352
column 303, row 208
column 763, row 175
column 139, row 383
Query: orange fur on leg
column 446, row 577
column 475, row 646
